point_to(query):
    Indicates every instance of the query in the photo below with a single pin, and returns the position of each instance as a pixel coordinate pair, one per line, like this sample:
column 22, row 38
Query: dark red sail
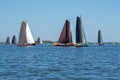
column 7, row 40
column 65, row 36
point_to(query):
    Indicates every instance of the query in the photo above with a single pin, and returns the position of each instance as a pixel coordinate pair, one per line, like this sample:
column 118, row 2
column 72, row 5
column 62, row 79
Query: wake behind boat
column 25, row 35
column 80, row 34
column 65, row 38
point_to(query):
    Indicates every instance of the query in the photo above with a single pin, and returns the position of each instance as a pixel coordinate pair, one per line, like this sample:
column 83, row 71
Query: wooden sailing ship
column 65, row 38
column 14, row 41
column 25, row 35
column 7, row 40
column 38, row 41
column 80, row 34
column 100, row 39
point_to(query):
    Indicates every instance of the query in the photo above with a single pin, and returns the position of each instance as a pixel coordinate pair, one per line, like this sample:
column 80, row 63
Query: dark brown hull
column 61, row 44
column 27, row 44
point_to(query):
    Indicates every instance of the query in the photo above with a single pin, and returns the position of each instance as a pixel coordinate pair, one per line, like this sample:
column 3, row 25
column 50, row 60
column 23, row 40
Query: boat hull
column 27, row 44
column 100, row 44
column 80, row 45
column 61, row 44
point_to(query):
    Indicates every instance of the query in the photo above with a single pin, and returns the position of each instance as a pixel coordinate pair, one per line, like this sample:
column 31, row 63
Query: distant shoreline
column 51, row 42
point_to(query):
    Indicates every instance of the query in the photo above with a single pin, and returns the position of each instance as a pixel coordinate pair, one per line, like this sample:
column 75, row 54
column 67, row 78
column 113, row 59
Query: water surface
column 46, row 62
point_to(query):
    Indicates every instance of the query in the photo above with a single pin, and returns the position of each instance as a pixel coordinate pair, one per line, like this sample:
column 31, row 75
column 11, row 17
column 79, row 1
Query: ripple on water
column 46, row 62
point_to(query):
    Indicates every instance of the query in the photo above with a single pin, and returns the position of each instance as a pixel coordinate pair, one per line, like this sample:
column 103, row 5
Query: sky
column 46, row 18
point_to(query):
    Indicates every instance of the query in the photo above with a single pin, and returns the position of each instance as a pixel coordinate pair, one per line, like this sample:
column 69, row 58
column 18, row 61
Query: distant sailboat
column 80, row 34
column 100, row 40
column 38, row 41
column 7, row 40
column 65, row 38
column 25, row 35
column 14, row 40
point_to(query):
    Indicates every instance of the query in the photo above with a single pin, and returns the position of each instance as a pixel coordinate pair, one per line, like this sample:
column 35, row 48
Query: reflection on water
column 46, row 62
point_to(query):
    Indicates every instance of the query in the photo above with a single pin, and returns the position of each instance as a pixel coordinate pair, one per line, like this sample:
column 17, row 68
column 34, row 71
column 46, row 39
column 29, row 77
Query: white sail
column 29, row 34
column 84, row 38
column 25, row 35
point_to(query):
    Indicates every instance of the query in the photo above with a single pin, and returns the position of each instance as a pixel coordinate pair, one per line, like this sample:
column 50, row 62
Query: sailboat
column 25, row 35
column 65, row 38
column 38, row 41
column 100, row 40
column 13, row 40
column 80, row 34
column 7, row 40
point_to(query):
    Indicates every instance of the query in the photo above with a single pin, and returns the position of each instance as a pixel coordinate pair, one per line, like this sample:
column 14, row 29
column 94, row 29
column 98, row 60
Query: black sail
column 22, row 34
column 100, row 40
column 7, row 40
column 14, row 39
column 80, row 35
column 66, row 36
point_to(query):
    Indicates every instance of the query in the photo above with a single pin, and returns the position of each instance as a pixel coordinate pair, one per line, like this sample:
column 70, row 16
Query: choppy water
column 46, row 62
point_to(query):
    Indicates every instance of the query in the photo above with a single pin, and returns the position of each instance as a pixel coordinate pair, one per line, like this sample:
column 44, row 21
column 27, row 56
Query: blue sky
column 46, row 17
